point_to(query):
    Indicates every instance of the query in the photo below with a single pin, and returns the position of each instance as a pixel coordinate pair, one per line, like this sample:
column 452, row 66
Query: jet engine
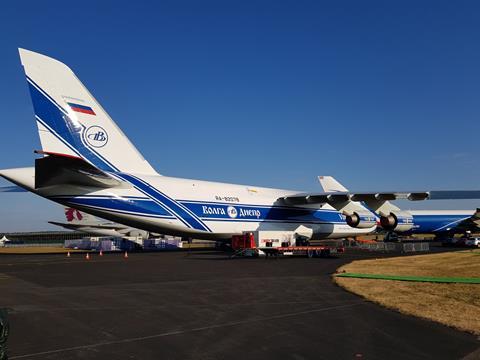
column 360, row 220
column 400, row 221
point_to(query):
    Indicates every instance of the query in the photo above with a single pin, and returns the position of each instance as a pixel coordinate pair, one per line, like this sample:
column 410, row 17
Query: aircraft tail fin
column 75, row 216
column 357, row 215
column 71, row 122
column 330, row 184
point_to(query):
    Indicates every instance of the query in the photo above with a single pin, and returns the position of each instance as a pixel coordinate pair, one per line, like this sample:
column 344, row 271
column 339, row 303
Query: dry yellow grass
column 456, row 305
column 35, row 250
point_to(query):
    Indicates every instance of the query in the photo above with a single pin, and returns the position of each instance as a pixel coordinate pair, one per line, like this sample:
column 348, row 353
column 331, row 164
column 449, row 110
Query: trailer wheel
column 325, row 253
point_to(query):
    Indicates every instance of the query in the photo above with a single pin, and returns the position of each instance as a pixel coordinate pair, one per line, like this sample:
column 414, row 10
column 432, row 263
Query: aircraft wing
column 13, row 188
column 339, row 197
column 59, row 169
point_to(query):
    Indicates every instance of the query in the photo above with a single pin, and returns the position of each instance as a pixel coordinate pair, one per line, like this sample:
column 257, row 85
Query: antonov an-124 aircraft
column 89, row 164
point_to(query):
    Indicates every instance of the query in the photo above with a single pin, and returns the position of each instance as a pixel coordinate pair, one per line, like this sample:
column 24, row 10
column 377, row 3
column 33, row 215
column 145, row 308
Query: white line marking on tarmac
column 179, row 332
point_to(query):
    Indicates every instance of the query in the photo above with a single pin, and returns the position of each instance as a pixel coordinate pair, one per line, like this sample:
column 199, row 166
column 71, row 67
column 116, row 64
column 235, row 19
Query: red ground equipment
column 245, row 241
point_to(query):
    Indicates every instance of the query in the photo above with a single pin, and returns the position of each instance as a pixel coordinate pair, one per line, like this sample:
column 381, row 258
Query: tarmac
column 203, row 305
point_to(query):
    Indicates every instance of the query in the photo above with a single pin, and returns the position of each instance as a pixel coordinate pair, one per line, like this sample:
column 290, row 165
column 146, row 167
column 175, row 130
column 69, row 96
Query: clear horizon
column 383, row 96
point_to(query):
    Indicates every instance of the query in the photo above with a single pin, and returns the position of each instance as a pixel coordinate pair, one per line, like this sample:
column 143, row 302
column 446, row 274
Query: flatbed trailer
column 280, row 243
column 308, row 251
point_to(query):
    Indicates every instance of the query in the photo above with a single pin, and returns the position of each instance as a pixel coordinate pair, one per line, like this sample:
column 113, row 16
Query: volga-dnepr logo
column 96, row 136
column 232, row 212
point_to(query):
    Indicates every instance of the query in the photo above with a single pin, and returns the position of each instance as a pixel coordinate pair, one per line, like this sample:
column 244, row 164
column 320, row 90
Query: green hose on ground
column 460, row 280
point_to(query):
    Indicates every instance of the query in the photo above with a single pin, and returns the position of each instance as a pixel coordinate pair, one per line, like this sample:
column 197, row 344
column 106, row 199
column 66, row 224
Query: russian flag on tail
column 81, row 108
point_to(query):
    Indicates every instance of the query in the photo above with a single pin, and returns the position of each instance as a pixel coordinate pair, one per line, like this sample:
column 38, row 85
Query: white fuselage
column 194, row 208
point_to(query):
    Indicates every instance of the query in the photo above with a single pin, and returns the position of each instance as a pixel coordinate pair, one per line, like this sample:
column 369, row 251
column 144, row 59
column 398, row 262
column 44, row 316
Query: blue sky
column 380, row 94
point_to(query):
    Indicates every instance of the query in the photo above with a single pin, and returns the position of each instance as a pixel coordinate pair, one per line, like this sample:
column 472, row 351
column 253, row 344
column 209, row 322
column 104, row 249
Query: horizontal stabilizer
column 99, row 225
column 62, row 169
column 98, row 230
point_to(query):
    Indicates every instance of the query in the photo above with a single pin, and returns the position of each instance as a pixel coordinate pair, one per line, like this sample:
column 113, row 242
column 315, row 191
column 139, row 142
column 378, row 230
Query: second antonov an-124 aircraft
column 441, row 223
column 88, row 163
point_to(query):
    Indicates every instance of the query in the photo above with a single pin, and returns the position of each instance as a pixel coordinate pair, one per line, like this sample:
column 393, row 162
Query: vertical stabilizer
column 329, row 184
column 70, row 120
column 356, row 214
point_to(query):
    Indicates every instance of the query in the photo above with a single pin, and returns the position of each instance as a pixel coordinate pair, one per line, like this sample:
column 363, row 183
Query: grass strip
column 461, row 280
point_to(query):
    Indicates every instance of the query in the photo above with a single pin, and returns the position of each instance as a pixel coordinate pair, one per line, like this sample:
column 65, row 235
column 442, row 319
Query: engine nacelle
column 360, row 220
column 400, row 221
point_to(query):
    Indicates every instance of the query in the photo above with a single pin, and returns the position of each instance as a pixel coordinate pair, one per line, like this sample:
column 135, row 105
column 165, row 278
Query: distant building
column 45, row 237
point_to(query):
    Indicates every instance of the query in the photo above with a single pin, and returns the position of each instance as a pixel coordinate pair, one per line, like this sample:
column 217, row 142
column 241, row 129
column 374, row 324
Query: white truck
column 472, row 242
column 467, row 241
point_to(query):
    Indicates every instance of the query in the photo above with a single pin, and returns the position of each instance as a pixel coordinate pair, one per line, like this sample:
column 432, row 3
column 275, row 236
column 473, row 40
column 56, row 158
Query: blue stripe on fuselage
column 261, row 213
column 430, row 223
column 207, row 211
column 177, row 209
column 117, row 204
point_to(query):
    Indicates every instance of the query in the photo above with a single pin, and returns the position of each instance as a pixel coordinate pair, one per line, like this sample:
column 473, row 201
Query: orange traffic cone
column 68, row 253
column 87, row 256
column 126, row 255
column 101, row 253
